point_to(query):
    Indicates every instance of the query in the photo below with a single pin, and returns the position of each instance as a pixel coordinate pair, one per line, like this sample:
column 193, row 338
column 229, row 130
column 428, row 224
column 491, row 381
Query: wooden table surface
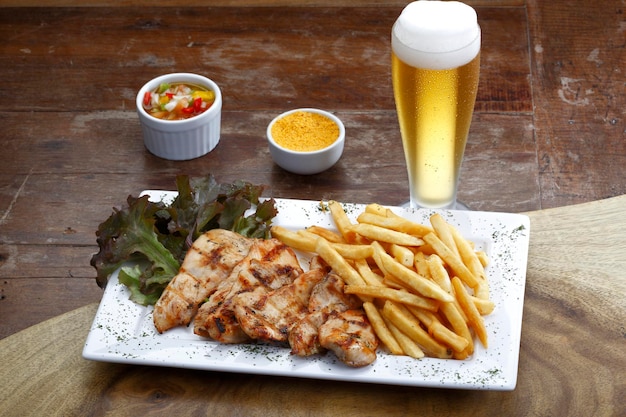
column 549, row 132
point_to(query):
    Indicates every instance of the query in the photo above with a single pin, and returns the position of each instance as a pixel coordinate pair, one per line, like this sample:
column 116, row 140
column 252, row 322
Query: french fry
column 439, row 331
column 382, row 234
column 394, row 222
column 471, row 260
column 346, row 250
column 376, row 209
column 407, row 344
column 451, row 311
column 339, row 265
column 408, row 276
column 308, row 235
column 426, row 249
column 378, row 250
column 391, row 282
column 438, row 273
column 369, row 276
column 402, row 271
column 353, row 251
column 451, row 259
column 484, row 307
column 390, row 213
column 410, row 326
column 482, row 290
column 484, row 259
column 419, row 262
column 329, row 235
column 342, row 221
column 400, row 296
column 294, row 239
column 403, row 255
column 381, row 329
column 443, row 231
column 454, row 315
column 473, row 316
column 467, row 253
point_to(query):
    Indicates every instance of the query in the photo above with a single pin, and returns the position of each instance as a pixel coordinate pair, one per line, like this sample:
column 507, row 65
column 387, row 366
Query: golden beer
column 435, row 91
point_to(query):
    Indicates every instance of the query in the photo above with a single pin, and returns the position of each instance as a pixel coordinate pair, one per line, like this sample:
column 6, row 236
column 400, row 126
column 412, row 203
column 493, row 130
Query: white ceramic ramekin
column 181, row 139
column 312, row 162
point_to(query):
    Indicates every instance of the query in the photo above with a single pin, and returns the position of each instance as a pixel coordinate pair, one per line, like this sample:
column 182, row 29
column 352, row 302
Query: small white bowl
column 180, row 140
column 311, row 162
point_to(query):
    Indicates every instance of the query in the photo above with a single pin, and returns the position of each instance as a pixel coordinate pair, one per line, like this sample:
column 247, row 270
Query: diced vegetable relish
column 178, row 101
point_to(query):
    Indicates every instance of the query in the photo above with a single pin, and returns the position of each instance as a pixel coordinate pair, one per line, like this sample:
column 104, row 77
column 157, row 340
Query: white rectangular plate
column 123, row 331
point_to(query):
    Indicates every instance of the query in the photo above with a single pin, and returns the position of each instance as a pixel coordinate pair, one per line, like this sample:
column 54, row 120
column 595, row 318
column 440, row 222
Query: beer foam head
column 436, row 34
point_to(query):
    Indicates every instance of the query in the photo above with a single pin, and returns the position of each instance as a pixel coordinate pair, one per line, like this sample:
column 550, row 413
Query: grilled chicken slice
column 270, row 316
column 326, row 297
column 269, row 265
column 304, row 335
column 329, row 296
column 208, row 262
column 350, row 336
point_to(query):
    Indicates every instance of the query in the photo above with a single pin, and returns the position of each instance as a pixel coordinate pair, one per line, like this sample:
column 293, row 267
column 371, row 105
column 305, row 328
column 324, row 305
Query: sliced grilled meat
column 208, row 262
column 326, row 297
column 270, row 316
column 269, row 265
column 350, row 336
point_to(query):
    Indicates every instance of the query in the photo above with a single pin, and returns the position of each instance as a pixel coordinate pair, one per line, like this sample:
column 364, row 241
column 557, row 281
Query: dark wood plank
column 505, row 83
column 38, row 282
column 27, row 301
column 580, row 96
column 259, row 61
column 499, row 171
column 20, row 261
column 236, row 3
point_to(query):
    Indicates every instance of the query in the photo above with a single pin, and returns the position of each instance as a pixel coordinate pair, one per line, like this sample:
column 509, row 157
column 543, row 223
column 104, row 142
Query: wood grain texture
column 571, row 362
column 262, row 58
column 549, row 130
column 576, row 305
column 580, row 98
column 234, row 3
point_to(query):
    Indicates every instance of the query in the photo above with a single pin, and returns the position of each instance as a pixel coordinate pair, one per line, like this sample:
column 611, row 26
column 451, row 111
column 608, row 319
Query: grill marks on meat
column 208, row 262
column 256, row 289
column 313, row 314
column 270, row 316
column 326, row 297
column 269, row 265
column 350, row 336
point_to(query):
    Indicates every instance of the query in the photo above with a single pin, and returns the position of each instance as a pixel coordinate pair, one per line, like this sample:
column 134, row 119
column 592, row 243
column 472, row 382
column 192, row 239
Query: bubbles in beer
column 436, row 34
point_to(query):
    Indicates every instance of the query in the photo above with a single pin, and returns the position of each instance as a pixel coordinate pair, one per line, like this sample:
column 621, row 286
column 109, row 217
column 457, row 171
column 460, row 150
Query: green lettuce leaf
column 156, row 236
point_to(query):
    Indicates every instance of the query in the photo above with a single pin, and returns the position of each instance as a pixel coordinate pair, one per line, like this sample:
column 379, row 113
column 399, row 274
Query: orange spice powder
column 305, row 131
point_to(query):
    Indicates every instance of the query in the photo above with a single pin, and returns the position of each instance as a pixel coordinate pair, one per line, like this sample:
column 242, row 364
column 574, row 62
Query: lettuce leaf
column 156, row 236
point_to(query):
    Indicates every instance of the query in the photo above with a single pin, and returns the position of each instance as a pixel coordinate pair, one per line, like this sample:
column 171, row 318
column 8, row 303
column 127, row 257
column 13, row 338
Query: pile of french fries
column 424, row 287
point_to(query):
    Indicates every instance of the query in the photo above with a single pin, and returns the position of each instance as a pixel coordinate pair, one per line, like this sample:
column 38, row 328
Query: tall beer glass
column 435, row 67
